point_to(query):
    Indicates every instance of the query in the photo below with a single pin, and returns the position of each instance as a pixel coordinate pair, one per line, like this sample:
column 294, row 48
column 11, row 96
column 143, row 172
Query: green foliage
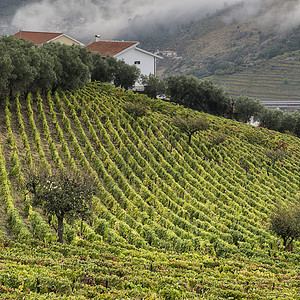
column 289, row 122
column 123, row 75
column 135, row 109
column 73, row 65
column 24, row 63
column 199, row 95
column 170, row 219
column 246, row 108
column 218, row 138
column 185, row 90
column 153, row 85
column 25, row 67
column 285, row 222
column 62, row 195
column 170, row 293
column 275, row 155
column 6, row 68
column 101, row 71
column 190, row 124
column 271, row 119
column 109, row 69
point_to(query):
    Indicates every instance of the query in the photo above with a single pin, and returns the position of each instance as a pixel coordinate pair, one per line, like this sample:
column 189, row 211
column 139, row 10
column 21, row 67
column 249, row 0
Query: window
column 137, row 62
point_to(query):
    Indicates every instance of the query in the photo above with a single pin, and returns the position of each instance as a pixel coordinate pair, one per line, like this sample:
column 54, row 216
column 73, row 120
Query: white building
column 130, row 53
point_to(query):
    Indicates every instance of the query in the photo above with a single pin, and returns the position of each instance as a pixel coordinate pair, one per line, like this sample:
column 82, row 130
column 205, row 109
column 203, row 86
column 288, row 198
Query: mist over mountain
column 117, row 18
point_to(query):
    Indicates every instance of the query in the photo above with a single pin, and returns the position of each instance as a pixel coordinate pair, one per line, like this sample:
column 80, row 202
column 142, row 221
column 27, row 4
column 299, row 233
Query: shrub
column 135, row 109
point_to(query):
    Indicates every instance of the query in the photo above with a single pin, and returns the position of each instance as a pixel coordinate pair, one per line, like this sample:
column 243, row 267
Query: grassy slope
column 276, row 79
column 172, row 220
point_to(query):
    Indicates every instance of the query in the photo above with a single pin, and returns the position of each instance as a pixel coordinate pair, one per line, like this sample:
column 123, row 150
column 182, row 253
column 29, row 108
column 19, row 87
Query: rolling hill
column 173, row 220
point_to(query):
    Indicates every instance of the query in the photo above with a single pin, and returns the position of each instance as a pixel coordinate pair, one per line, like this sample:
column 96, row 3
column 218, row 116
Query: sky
column 109, row 18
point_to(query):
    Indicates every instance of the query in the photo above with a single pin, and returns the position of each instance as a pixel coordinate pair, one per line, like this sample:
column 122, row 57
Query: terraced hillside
column 173, row 220
column 275, row 80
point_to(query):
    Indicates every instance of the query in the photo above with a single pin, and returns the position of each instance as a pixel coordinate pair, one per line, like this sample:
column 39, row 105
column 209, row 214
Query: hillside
column 234, row 45
column 276, row 79
column 231, row 38
column 172, row 221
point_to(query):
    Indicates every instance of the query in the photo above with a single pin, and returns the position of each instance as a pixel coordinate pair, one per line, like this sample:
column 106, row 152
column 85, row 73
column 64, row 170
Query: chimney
column 20, row 32
column 97, row 38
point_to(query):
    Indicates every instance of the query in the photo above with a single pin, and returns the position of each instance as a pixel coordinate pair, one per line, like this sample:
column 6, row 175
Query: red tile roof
column 38, row 38
column 110, row 47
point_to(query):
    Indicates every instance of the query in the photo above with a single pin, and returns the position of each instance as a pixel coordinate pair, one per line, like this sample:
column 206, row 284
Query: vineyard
column 276, row 79
column 173, row 220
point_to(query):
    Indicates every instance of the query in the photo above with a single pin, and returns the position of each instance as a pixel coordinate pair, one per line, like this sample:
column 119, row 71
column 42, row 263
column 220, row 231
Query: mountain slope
column 172, row 219
column 275, row 80
column 228, row 40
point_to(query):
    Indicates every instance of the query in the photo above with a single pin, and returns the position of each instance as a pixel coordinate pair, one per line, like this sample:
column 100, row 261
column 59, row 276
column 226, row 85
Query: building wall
column 65, row 40
column 147, row 62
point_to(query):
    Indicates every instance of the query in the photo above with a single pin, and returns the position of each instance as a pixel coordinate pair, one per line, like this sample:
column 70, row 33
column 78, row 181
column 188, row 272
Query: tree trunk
column 285, row 241
column 60, row 228
column 289, row 246
column 190, row 138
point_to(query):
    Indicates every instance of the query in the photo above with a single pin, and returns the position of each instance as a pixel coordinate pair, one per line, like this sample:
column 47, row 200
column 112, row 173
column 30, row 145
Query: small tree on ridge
column 191, row 125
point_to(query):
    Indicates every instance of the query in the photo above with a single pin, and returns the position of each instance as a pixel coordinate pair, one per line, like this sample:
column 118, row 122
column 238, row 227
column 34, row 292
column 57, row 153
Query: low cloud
column 85, row 18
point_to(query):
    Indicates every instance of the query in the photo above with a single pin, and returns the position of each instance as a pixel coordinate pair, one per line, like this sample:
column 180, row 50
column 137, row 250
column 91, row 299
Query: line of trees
column 203, row 95
column 26, row 67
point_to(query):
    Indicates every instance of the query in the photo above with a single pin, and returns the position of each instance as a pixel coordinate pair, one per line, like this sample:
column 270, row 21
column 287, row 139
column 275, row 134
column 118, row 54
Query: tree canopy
column 285, row 222
column 190, row 125
column 62, row 195
column 26, row 67
column 199, row 95
column 246, row 108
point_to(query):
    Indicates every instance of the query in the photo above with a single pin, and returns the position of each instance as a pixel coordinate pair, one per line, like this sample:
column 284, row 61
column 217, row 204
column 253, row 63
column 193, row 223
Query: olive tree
column 246, row 108
column 190, row 125
column 62, row 195
column 153, row 85
column 101, row 69
column 6, row 68
column 285, row 222
column 22, row 61
column 201, row 95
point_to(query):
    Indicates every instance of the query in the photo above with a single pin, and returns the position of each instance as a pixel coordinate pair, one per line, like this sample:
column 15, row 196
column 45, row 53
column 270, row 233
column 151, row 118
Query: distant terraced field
column 275, row 80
